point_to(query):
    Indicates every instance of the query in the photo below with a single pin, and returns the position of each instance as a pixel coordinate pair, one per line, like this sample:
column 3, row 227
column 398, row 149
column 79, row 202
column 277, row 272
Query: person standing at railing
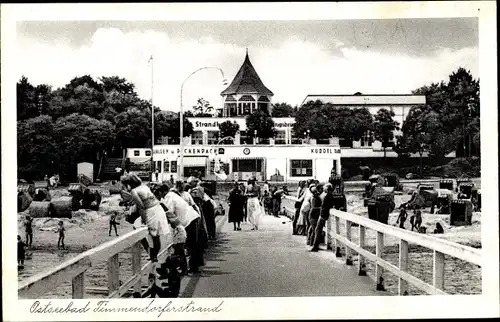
column 152, row 214
column 278, row 194
column 326, row 206
column 298, row 204
column 184, row 213
column 305, row 208
column 314, row 214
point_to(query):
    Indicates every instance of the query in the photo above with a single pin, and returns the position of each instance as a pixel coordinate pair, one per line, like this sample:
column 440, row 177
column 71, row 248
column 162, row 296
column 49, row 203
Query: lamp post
column 152, row 121
column 181, row 115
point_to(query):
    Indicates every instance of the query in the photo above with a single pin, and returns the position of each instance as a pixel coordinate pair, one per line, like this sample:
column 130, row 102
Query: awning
column 247, row 158
column 195, row 161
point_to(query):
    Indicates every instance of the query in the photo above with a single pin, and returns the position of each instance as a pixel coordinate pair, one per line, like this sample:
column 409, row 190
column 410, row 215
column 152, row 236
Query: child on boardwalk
column 267, row 201
column 153, row 290
column 179, row 240
column 60, row 230
column 20, row 252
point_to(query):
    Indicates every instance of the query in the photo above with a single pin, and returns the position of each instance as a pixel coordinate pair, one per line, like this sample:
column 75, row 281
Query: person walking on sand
column 402, row 218
column 20, row 252
column 152, row 214
column 113, row 223
column 254, row 208
column 236, row 202
column 28, row 229
column 60, row 230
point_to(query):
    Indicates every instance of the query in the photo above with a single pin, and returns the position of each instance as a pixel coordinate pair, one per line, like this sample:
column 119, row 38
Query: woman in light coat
column 151, row 212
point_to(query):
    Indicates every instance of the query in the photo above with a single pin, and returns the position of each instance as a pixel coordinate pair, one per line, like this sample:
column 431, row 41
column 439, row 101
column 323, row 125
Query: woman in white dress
column 151, row 212
column 303, row 221
column 254, row 208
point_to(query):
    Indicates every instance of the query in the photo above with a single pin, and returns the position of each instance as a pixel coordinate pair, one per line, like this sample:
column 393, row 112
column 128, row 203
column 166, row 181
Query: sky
column 293, row 58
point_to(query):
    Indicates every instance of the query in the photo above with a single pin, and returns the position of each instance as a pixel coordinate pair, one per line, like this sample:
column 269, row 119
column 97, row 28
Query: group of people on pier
column 184, row 211
column 312, row 210
column 250, row 202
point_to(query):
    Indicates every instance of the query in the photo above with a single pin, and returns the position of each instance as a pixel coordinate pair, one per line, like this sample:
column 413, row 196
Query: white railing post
column 348, row 258
column 136, row 265
column 438, row 270
column 403, row 266
column 78, row 286
column 378, row 269
column 113, row 273
column 329, row 233
column 337, row 233
column 361, row 259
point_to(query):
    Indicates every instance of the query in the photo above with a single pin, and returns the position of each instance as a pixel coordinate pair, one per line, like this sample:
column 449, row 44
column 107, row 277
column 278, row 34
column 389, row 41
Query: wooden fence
column 335, row 240
column 74, row 269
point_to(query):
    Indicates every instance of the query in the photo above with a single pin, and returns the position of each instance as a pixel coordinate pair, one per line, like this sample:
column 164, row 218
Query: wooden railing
column 74, row 269
column 335, row 240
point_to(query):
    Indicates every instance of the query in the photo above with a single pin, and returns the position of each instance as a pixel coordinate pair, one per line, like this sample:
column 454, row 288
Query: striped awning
column 195, row 161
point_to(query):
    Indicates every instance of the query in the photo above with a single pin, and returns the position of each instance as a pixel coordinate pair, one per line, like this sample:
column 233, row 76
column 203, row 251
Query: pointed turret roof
column 247, row 81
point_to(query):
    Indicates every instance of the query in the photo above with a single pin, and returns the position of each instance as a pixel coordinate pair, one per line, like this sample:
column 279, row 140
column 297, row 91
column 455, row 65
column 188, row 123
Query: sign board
column 212, row 123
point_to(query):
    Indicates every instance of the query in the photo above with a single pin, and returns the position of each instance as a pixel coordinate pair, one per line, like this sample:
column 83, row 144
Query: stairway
column 108, row 171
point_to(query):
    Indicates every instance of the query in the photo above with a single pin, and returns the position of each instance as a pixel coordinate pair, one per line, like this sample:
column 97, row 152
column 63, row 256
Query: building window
column 197, row 137
column 367, row 139
column 166, row 166
column 158, row 166
column 213, row 137
column 246, row 108
column 296, row 139
column 301, row 168
column 240, row 109
column 148, row 153
column 280, row 137
column 137, row 153
column 173, row 166
column 247, row 165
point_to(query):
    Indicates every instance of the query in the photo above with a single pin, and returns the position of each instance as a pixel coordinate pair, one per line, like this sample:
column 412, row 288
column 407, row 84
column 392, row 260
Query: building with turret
column 288, row 156
column 246, row 93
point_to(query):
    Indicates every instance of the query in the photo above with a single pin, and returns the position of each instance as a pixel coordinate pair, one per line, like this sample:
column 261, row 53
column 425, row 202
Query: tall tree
column 203, row 108
column 80, row 138
column 261, row 123
column 384, row 127
column 283, row 110
column 26, row 100
column 228, row 129
column 37, row 151
column 327, row 120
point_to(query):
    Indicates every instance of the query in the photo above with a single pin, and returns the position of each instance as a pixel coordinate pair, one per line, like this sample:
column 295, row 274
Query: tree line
column 87, row 119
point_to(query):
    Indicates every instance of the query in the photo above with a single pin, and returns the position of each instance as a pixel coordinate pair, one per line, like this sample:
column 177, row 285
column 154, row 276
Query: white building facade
column 288, row 156
column 273, row 163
